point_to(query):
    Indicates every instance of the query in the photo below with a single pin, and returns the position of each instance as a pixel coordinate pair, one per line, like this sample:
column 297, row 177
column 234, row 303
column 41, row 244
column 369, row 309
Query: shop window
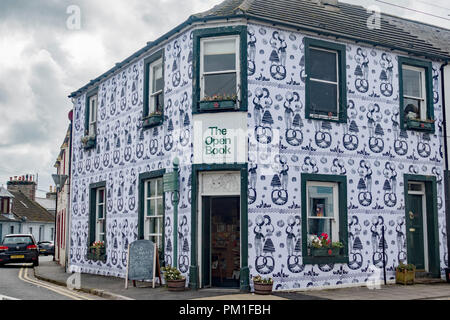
column 97, row 222
column 416, row 94
column 325, row 81
column 90, row 132
column 154, row 90
column 324, row 213
column 221, row 69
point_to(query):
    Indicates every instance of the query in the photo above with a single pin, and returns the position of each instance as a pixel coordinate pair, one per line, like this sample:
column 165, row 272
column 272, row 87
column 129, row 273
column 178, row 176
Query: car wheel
column 36, row 263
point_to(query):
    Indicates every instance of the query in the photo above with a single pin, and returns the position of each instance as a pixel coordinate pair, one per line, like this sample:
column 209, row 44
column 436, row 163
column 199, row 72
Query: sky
column 46, row 53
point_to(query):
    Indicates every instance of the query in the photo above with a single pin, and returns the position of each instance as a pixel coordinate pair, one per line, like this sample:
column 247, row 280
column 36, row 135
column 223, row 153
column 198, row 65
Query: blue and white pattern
column 370, row 150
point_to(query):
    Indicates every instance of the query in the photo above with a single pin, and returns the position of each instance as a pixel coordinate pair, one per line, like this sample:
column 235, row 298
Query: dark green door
column 206, row 243
column 415, row 234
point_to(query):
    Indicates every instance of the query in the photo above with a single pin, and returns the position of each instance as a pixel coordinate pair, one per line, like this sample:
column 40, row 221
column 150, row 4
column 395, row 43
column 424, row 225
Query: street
column 17, row 281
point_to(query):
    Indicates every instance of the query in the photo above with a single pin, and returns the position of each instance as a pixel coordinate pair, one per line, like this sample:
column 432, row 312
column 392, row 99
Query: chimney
column 23, row 184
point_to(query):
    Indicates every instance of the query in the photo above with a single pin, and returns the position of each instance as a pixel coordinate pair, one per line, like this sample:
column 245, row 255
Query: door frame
column 244, row 282
column 431, row 213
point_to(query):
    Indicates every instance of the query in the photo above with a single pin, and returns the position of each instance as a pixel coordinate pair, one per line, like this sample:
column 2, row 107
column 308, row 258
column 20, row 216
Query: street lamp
column 60, row 180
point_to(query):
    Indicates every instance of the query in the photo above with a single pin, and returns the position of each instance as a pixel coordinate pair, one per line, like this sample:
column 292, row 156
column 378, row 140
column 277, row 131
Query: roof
column 343, row 21
column 48, row 204
column 24, row 207
column 5, row 193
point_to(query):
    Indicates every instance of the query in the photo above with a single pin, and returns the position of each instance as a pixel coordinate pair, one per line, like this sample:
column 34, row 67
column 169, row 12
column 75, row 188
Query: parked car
column 19, row 248
column 46, row 247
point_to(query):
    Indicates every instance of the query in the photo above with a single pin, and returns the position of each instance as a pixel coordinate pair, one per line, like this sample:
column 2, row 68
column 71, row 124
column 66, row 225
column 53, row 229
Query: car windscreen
column 17, row 240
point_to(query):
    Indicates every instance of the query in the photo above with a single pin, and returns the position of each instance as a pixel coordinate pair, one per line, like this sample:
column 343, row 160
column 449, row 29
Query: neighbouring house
column 289, row 119
column 49, row 202
column 24, row 214
column 62, row 166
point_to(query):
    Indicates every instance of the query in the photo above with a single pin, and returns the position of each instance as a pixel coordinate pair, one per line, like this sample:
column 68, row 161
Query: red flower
column 328, row 242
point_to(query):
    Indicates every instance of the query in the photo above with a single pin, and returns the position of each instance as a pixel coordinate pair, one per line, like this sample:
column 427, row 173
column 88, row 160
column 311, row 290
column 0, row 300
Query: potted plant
column 88, row 141
column 174, row 280
column 321, row 246
column 218, row 101
column 97, row 251
column 263, row 285
column 405, row 274
column 152, row 119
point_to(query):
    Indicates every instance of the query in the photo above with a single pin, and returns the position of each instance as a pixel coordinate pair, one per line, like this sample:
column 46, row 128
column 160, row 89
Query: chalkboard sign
column 142, row 262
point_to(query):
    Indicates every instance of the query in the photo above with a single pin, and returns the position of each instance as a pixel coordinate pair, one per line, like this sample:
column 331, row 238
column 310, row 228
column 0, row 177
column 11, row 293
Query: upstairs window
column 325, row 81
column 92, row 115
column 153, row 90
column 416, row 94
column 219, row 68
column 156, row 87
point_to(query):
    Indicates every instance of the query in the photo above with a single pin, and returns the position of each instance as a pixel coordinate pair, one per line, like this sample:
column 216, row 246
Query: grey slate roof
column 345, row 21
column 5, row 193
column 33, row 211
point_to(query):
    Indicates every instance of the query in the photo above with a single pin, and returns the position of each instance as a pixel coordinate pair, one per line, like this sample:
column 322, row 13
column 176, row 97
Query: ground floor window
column 324, row 215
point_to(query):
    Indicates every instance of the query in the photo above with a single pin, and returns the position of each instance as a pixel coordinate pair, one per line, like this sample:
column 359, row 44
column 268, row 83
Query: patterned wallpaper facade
column 124, row 150
column 370, row 150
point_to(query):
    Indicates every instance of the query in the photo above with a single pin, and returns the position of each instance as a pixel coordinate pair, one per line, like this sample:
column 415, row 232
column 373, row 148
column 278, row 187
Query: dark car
column 19, row 248
column 46, row 248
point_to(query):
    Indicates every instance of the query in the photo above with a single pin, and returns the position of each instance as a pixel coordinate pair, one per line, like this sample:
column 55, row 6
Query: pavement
column 114, row 288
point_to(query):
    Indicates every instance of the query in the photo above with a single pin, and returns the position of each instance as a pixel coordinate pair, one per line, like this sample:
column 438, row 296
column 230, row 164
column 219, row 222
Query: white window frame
column 159, row 219
column 93, row 109
column 422, row 100
column 237, row 69
column 335, row 218
column 100, row 221
column 151, row 95
column 337, row 83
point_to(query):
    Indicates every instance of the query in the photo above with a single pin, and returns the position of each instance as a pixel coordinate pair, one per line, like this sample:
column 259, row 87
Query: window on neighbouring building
column 11, row 229
column 325, row 80
column 30, row 230
column 4, row 203
column 219, row 68
column 154, row 211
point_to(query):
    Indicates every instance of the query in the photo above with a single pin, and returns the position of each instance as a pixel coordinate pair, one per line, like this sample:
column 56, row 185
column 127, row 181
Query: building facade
column 281, row 134
column 62, row 166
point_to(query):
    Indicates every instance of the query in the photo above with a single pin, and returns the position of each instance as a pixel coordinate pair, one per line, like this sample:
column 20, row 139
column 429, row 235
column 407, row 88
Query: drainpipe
column 446, row 156
column 69, row 211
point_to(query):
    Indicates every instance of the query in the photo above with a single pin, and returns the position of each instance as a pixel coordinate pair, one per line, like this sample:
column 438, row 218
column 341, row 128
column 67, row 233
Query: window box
column 417, row 124
column 217, row 104
column 88, row 142
column 96, row 254
column 405, row 275
column 324, row 252
column 152, row 120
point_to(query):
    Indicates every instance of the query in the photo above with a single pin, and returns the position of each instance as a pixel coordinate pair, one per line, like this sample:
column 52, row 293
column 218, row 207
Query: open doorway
column 221, row 241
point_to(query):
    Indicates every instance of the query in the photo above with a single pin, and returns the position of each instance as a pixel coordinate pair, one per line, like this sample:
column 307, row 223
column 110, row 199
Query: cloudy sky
column 42, row 61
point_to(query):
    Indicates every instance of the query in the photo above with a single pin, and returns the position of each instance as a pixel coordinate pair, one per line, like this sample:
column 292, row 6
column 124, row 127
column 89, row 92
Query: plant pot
column 324, row 252
column 176, row 285
column 419, row 125
column 263, row 288
column 405, row 276
column 90, row 143
column 152, row 121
